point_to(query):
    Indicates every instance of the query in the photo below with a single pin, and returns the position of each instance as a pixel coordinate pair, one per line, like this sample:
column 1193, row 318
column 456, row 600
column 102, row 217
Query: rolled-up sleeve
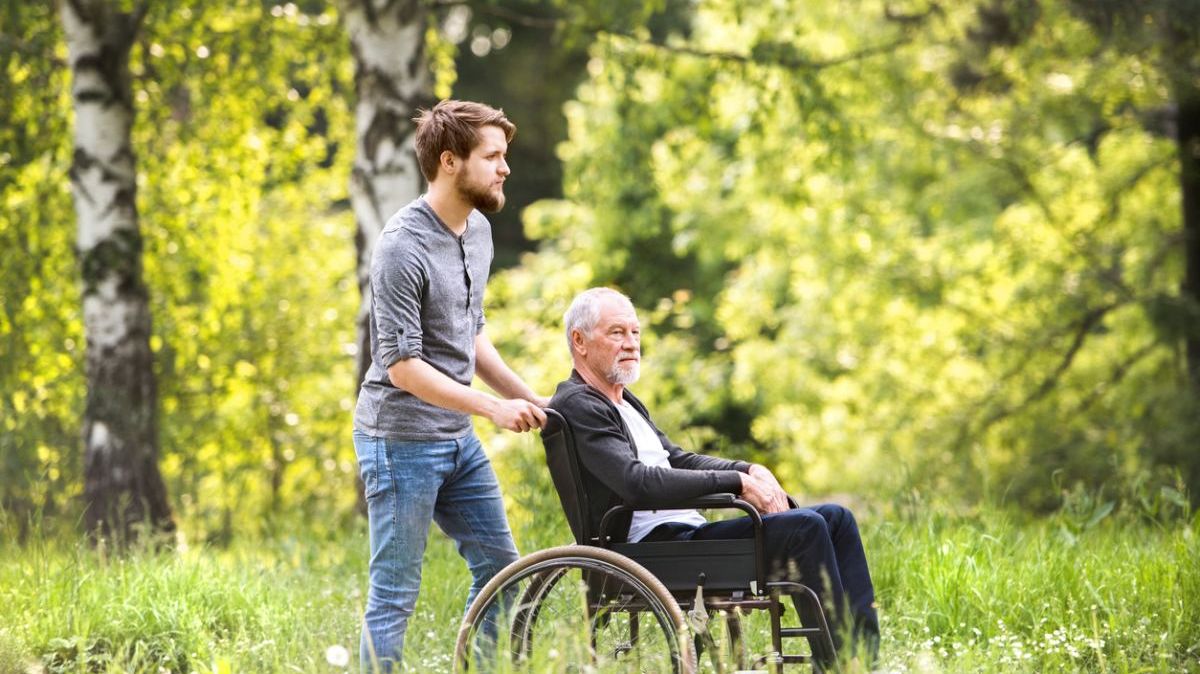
column 398, row 285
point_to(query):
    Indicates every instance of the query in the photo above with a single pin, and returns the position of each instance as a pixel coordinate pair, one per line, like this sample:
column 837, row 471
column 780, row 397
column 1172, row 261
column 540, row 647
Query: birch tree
column 392, row 79
column 123, row 489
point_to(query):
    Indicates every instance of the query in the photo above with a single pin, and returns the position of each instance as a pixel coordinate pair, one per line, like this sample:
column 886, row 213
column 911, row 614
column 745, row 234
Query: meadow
column 987, row 591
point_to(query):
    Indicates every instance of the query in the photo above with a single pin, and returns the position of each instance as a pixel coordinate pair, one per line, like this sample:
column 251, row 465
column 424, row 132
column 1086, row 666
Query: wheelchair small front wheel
column 562, row 608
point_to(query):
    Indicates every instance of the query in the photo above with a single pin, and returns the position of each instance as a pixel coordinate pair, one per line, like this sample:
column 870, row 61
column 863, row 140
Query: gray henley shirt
column 426, row 302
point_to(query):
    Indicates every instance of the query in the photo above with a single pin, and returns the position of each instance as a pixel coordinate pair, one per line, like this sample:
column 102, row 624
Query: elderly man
column 626, row 458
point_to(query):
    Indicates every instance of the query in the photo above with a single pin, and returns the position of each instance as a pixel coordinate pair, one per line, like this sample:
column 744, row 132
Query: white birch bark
column 123, row 489
column 391, row 79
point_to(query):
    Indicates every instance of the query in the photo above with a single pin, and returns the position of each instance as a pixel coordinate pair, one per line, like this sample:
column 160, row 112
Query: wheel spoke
column 582, row 605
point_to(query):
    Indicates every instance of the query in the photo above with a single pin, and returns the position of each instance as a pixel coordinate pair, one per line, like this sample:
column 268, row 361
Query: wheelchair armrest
column 709, row 501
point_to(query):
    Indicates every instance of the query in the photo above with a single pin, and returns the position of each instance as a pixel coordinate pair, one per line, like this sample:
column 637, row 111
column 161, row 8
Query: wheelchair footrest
column 800, row 631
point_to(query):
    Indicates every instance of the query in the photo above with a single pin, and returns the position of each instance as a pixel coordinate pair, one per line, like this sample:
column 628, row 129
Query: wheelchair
column 602, row 605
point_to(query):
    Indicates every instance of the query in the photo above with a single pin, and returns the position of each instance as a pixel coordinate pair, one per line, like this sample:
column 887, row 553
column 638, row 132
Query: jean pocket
column 370, row 455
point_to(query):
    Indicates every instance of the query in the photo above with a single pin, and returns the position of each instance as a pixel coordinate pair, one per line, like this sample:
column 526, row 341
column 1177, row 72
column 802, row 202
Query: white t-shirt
column 650, row 452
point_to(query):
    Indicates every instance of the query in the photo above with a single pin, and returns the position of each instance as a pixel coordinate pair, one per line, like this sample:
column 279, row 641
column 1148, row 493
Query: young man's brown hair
column 454, row 126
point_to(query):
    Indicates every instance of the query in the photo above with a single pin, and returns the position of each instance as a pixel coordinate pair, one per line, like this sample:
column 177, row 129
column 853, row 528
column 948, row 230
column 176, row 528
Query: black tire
column 565, row 608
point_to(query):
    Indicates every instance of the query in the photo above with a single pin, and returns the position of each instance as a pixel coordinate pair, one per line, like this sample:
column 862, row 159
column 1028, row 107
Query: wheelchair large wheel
column 573, row 608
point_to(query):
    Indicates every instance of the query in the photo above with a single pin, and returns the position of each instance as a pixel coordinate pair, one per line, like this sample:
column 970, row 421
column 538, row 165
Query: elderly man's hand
column 763, row 491
column 764, row 474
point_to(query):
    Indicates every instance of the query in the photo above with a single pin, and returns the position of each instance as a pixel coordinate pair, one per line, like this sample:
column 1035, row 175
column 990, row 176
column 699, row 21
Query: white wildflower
column 337, row 655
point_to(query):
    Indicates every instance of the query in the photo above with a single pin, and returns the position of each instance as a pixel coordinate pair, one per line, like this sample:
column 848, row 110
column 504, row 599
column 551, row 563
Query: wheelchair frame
column 664, row 579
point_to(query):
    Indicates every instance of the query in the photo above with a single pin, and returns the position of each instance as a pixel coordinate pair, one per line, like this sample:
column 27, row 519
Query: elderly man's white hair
column 584, row 311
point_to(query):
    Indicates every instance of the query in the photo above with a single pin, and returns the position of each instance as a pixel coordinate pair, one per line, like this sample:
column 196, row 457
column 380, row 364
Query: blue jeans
column 409, row 484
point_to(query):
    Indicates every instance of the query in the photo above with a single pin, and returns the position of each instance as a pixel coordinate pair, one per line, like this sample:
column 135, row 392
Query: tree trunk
column 391, row 79
column 1188, row 98
column 123, row 491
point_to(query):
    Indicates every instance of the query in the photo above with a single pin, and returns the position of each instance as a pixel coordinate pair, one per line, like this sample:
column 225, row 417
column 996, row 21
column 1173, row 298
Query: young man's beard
column 480, row 197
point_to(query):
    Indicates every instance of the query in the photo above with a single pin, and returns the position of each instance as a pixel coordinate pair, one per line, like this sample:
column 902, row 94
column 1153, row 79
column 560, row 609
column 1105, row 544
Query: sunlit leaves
column 242, row 138
column 251, row 260
column 889, row 267
column 41, row 333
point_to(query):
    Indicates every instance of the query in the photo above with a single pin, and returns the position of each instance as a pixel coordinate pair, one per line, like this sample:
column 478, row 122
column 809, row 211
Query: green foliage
column 41, row 333
column 243, row 137
column 871, row 271
column 887, row 247
column 250, row 259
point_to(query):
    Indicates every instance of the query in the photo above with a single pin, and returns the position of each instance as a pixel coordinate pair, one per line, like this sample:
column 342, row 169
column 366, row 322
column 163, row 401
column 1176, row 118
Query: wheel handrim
column 541, row 583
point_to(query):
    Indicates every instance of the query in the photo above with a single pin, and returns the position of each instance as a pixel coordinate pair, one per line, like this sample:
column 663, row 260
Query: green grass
column 990, row 595
column 982, row 593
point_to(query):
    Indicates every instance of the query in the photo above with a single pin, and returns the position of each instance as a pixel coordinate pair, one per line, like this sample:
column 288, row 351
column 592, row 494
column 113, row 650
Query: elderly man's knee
column 801, row 538
column 840, row 515
column 802, row 524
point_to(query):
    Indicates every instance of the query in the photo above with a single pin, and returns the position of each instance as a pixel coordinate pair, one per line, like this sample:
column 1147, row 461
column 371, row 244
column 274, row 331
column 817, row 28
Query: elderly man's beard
column 479, row 196
column 624, row 373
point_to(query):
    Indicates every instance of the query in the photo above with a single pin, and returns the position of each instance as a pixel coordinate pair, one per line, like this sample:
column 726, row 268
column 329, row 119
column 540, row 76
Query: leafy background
column 905, row 250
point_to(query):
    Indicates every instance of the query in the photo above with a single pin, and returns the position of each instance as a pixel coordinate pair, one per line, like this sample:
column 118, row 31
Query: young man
column 626, row 459
column 417, row 452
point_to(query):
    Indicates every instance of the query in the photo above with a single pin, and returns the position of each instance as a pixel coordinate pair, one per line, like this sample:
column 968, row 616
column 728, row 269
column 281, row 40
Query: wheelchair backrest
column 563, row 460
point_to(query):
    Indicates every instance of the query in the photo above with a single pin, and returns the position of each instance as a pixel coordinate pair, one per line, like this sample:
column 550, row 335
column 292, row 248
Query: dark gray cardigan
column 612, row 474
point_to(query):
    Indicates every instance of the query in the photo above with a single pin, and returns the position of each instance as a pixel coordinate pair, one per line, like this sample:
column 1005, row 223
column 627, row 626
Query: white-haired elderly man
column 627, row 459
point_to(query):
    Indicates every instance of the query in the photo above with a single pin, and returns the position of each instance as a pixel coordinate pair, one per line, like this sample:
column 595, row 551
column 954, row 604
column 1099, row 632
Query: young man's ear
column 448, row 162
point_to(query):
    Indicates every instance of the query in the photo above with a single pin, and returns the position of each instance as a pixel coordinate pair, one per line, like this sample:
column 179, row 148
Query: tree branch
column 1109, row 273
column 508, row 15
column 1117, row 375
column 1114, row 205
column 138, row 16
column 910, row 18
column 1083, row 327
column 1086, row 324
column 1119, row 372
column 778, row 54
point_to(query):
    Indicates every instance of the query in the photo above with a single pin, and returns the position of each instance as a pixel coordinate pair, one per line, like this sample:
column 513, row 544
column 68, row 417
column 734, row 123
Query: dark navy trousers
column 818, row 546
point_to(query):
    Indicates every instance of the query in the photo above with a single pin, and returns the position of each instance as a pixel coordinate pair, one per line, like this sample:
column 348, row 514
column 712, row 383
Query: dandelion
column 337, row 655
